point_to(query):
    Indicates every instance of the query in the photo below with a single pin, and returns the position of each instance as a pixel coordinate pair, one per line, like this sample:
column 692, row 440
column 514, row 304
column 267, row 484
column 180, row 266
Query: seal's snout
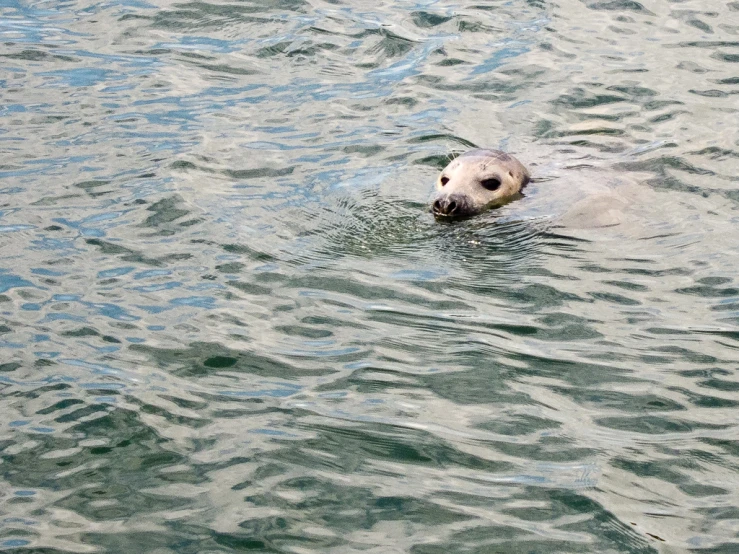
column 448, row 206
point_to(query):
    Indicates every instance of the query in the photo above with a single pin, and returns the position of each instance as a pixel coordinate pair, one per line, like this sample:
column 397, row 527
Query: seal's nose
column 447, row 206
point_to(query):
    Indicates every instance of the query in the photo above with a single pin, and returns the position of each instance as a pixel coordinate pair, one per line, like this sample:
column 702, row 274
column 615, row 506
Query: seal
column 477, row 181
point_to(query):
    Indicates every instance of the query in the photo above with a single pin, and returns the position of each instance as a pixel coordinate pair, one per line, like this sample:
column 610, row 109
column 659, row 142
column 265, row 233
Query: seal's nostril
column 437, row 206
column 452, row 207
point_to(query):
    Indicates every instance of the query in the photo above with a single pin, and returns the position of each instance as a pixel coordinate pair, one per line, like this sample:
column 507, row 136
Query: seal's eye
column 490, row 184
column 444, row 180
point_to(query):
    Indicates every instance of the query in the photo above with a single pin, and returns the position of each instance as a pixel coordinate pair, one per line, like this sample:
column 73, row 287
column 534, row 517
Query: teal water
column 228, row 322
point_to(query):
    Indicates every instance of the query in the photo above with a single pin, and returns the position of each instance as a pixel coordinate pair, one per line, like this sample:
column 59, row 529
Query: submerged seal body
column 477, row 181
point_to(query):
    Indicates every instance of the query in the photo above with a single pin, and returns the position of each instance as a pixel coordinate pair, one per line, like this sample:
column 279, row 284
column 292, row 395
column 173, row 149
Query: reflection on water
column 229, row 323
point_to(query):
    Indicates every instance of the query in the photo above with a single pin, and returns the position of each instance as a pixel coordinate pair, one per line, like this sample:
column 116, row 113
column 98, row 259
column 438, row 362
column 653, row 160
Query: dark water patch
column 708, row 401
column 619, row 5
column 633, row 92
column 250, row 288
column 519, row 425
column 221, row 69
column 129, row 255
column 210, row 16
column 165, row 211
column 708, row 291
column 608, row 399
column 627, row 285
column 392, row 45
column 712, row 93
column 398, row 445
column 427, row 19
column 654, row 425
column 596, row 131
column 249, row 251
column 580, row 98
column 616, row 298
column 90, row 186
column 729, row 81
column 651, row 469
column 698, row 24
column 113, row 481
column 720, row 384
column 245, row 174
column 166, row 415
column 202, row 360
column 715, row 153
column 726, row 57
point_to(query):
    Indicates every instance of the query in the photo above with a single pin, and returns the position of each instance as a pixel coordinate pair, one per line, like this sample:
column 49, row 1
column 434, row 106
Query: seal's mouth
column 447, row 217
column 451, row 207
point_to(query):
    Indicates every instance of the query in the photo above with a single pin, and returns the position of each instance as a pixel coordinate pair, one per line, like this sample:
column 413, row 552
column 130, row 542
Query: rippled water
column 228, row 322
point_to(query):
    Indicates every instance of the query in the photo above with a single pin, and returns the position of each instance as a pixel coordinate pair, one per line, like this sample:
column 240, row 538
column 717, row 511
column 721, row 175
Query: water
column 228, row 322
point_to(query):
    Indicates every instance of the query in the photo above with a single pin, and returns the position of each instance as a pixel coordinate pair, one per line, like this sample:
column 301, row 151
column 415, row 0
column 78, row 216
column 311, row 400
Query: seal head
column 477, row 181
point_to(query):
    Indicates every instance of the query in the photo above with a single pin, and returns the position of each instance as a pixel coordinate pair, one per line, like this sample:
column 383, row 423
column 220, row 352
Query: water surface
column 228, row 322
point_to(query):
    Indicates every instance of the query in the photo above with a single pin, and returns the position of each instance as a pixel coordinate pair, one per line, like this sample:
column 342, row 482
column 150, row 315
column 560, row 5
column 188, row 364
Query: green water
column 229, row 323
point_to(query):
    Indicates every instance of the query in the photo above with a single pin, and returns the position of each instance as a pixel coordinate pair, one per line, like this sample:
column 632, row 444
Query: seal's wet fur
column 477, row 181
